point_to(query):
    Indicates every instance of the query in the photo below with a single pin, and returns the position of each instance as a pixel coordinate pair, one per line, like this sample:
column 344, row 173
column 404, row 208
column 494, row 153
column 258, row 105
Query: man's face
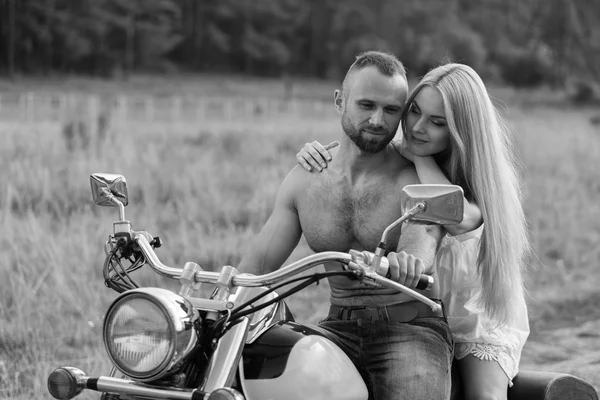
column 372, row 108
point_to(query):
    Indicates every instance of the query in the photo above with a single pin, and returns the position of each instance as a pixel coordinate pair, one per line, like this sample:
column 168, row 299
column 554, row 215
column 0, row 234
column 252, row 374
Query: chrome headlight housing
column 148, row 331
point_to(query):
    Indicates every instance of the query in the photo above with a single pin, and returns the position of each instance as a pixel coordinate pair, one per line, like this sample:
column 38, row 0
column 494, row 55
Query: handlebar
column 354, row 261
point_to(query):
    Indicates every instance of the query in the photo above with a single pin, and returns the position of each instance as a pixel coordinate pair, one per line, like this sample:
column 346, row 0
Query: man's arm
column 281, row 233
column 415, row 254
column 417, row 245
column 422, row 241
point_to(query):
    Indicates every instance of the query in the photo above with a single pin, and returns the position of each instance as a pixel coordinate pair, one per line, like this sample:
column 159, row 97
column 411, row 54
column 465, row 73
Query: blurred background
column 521, row 43
column 202, row 106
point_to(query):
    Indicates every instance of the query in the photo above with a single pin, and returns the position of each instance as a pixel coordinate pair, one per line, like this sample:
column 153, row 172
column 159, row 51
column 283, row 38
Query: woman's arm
column 314, row 156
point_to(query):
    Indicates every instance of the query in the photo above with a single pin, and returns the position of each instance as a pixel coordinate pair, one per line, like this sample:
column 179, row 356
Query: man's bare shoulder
column 296, row 181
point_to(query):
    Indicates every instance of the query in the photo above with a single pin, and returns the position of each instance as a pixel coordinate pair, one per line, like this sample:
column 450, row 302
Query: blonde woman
column 453, row 134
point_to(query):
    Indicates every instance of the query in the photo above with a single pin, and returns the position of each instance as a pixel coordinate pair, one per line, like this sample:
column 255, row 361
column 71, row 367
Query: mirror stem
column 116, row 201
column 121, row 209
column 381, row 247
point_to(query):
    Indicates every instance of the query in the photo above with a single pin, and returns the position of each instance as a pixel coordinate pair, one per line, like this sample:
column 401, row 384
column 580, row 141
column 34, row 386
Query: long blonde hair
column 481, row 160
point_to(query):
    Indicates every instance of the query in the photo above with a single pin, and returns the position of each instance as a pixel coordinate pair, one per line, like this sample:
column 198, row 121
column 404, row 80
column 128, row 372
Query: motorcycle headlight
column 148, row 331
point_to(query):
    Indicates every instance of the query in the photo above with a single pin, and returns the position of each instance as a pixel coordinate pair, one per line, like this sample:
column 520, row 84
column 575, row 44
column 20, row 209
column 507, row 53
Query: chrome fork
column 226, row 358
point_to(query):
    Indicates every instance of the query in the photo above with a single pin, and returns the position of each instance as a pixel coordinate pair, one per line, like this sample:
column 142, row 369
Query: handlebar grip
column 425, row 281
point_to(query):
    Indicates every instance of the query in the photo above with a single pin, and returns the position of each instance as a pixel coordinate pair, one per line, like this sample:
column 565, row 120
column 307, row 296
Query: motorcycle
column 241, row 341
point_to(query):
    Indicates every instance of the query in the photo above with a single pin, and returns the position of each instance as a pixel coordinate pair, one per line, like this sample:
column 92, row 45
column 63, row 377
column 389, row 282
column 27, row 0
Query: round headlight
column 148, row 331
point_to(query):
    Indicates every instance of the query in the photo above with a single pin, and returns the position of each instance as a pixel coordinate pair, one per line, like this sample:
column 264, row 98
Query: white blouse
column 473, row 330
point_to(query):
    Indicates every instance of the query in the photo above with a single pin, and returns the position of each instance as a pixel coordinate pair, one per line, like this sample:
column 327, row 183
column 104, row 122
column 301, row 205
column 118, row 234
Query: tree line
column 520, row 42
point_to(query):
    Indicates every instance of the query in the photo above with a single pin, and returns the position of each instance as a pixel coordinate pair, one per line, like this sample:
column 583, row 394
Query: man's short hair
column 388, row 64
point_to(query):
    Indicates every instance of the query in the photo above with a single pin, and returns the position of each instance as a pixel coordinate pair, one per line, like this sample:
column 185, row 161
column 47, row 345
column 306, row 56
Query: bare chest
column 336, row 217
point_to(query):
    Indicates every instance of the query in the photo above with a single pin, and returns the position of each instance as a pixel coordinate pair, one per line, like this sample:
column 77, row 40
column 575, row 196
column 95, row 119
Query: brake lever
column 361, row 269
column 364, row 267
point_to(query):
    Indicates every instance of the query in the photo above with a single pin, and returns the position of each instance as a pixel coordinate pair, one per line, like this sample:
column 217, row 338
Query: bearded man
column 402, row 348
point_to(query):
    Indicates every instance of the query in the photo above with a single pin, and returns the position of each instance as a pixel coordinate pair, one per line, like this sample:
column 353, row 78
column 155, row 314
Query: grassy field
column 206, row 190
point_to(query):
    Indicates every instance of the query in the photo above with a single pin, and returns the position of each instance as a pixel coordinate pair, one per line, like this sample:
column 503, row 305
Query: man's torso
column 336, row 215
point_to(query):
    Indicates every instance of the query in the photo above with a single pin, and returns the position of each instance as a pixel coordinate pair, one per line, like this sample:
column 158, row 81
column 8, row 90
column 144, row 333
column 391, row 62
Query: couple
column 451, row 134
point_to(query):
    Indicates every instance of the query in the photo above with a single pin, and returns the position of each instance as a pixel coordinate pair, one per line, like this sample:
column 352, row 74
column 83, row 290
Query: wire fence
column 64, row 107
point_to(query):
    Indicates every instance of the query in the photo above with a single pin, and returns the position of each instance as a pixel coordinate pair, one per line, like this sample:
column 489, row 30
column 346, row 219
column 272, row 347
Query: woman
column 454, row 135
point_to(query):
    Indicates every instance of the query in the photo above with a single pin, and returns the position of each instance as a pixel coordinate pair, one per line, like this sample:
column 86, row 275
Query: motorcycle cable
column 239, row 312
column 120, row 281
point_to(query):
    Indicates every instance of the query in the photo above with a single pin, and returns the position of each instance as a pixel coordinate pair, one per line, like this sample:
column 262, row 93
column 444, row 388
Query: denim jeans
column 398, row 360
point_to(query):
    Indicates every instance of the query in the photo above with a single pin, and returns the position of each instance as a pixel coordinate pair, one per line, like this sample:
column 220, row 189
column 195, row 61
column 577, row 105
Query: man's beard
column 372, row 145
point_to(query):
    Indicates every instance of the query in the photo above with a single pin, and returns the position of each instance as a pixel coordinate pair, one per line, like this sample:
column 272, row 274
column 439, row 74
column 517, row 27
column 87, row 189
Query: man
column 403, row 349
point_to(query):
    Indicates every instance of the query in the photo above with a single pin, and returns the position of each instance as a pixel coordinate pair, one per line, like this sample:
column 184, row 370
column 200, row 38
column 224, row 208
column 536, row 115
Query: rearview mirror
column 444, row 204
column 106, row 188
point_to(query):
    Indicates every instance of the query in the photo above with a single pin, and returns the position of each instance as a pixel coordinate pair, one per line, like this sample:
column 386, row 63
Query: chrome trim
column 78, row 377
column 121, row 227
column 226, row 393
column 292, row 269
column 418, row 208
column 226, row 358
column 208, row 304
column 242, row 279
column 263, row 319
column 132, row 388
column 248, row 280
column 383, row 281
column 187, row 279
column 380, row 251
column 182, row 317
column 153, row 260
column 104, row 187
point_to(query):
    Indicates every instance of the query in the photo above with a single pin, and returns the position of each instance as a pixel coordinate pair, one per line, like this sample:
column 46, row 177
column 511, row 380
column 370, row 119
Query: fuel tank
column 292, row 361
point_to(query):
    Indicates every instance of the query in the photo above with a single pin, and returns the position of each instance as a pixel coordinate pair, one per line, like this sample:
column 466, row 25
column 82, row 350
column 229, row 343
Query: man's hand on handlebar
column 405, row 269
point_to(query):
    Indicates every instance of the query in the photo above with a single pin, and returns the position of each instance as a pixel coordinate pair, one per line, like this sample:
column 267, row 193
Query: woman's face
column 427, row 131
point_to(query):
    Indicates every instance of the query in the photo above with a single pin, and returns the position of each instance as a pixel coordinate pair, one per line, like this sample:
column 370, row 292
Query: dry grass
column 206, row 190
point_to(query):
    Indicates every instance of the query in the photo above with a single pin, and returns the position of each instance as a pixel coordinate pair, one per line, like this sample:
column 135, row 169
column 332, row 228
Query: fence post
column 22, row 107
column 72, row 106
column 263, row 108
column 92, row 116
column 175, row 108
column 149, row 102
column 62, row 107
column 47, row 111
column 228, row 109
column 29, row 104
column 248, row 109
column 200, row 108
column 122, row 107
column 291, row 106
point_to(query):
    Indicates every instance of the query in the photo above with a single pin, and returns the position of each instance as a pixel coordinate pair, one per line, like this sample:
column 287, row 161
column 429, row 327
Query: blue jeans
column 398, row 360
